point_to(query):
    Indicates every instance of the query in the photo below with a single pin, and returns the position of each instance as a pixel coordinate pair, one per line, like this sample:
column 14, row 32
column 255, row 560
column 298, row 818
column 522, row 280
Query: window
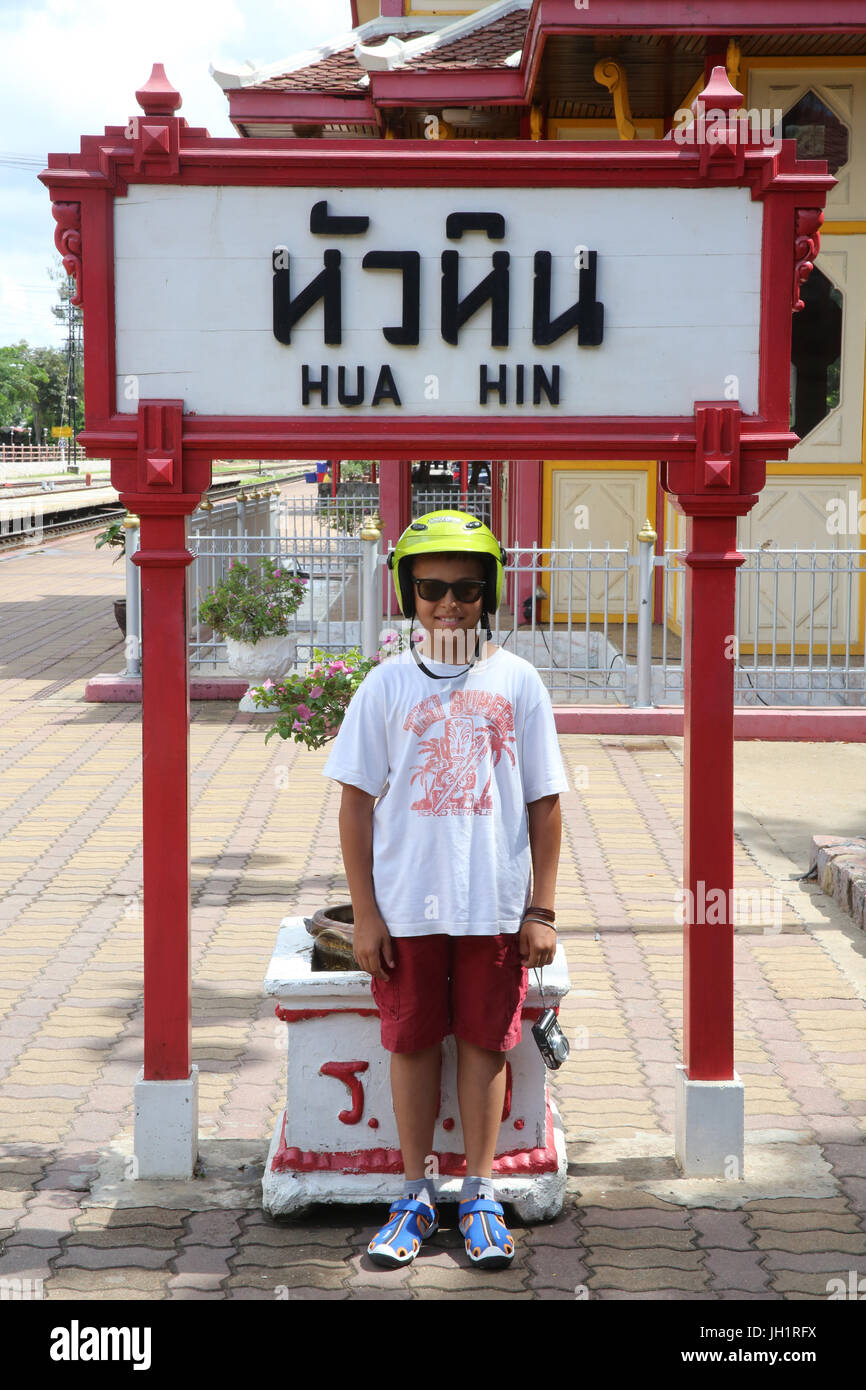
column 816, row 353
column 818, row 131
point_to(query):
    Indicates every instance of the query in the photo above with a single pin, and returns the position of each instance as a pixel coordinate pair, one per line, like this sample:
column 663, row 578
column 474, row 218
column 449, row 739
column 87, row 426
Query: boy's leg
column 413, row 1007
column 481, row 1096
column 488, row 986
column 415, row 1096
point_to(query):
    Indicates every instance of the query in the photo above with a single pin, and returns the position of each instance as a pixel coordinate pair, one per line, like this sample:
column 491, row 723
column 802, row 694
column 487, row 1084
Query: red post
column 395, row 509
column 161, row 487
column 163, row 559
column 524, row 524
column 708, row 865
column 713, row 489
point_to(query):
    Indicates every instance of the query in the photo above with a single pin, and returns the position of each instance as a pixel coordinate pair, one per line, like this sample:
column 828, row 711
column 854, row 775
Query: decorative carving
column 67, row 239
column 717, row 440
column 717, row 479
column 346, row 1072
column 807, row 243
column 612, row 75
column 160, row 470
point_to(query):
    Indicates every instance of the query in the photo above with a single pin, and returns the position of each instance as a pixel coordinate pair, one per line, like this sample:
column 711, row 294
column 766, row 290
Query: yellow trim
column 807, row 62
column 611, row 74
column 647, row 466
column 557, row 123
column 843, row 228
column 536, row 122
column 800, row 649
column 813, row 470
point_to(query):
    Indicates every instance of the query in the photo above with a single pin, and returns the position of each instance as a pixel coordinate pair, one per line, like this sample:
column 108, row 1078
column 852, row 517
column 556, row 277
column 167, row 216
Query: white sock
column 421, row 1189
column 473, row 1188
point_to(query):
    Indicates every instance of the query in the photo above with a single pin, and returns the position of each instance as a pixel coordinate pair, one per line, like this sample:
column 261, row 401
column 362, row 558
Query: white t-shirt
column 453, row 763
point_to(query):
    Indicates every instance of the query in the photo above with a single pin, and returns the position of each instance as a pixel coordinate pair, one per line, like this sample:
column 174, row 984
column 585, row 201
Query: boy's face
column 450, row 622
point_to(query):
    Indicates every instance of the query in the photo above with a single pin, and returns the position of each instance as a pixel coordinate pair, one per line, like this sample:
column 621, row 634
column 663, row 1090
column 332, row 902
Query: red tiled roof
column 341, row 72
column 485, row 47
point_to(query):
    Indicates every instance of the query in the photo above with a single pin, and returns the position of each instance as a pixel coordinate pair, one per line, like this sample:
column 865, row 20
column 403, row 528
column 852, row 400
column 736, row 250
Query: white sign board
column 663, row 285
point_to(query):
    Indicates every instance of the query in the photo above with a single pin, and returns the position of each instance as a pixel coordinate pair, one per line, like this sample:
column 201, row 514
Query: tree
column 19, row 386
column 32, row 387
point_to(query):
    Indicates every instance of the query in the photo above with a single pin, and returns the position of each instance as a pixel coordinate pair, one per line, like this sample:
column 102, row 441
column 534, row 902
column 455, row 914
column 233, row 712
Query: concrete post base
column 709, row 1126
column 166, row 1127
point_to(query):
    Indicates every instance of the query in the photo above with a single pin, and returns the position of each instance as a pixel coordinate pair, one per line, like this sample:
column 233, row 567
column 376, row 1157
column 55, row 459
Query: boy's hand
column 371, row 944
column 537, row 944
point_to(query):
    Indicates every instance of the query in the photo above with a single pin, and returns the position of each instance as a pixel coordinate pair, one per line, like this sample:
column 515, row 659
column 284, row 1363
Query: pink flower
column 389, row 638
column 304, row 713
column 298, row 726
column 268, row 684
column 276, row 574
column 417, row 637
column 316, row 692
column 335, row 667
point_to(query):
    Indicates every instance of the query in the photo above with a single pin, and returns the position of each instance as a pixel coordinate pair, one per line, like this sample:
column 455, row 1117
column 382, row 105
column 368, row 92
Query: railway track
column 22, row 539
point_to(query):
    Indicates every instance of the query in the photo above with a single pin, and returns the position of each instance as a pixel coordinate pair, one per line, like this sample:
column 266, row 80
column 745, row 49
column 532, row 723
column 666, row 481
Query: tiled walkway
column 265, row 845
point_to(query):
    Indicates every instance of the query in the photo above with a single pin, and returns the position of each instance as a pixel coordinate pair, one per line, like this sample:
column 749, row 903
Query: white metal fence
column 583, row 617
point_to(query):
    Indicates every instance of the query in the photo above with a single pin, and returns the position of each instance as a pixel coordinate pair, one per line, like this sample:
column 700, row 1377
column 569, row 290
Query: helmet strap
column 432, row 674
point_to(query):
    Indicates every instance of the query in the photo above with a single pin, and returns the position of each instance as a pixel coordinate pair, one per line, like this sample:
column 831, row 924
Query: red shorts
column 471, row 986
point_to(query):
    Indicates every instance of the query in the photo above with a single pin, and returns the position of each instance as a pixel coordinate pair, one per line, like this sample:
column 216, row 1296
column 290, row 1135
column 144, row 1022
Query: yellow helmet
column 439, row 532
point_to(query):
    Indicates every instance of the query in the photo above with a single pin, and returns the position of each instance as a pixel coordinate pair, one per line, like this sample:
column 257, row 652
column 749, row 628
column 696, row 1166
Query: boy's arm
column 370, row 935
column 538, row 942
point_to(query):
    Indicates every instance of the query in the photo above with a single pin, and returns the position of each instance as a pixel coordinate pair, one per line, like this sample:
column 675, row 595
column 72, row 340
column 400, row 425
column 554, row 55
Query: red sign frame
column 161, row 148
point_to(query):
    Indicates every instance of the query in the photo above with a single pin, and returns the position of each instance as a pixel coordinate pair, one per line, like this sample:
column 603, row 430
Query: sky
column 71, row 67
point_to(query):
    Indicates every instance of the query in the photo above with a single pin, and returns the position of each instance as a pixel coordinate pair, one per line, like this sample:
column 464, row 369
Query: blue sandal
column 409, row 1223
column 488, row 1240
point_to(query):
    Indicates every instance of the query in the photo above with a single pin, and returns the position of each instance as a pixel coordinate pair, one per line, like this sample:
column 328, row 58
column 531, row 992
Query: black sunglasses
column 464, row 590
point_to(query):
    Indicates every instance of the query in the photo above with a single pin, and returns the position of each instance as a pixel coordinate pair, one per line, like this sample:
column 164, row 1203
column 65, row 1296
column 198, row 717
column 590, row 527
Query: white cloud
column 71, row 67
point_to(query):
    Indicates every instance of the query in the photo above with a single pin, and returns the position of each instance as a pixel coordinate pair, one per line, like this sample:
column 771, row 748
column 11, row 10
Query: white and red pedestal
column 336, row 1140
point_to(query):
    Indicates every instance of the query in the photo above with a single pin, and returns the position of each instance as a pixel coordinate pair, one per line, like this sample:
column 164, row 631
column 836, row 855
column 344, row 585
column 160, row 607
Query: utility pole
column 71, row 392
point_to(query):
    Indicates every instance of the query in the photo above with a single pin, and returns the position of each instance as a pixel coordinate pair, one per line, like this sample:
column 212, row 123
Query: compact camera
column 552, row 1042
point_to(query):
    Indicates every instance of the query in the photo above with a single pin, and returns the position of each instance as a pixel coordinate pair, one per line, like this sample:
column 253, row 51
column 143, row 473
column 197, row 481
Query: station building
column 606, row 70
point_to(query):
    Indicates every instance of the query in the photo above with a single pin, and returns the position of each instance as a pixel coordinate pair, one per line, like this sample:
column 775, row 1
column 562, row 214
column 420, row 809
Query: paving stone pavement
column 265, row 845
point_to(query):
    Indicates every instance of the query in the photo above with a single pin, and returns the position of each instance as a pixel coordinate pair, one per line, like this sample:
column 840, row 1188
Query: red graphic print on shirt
column 476, row 729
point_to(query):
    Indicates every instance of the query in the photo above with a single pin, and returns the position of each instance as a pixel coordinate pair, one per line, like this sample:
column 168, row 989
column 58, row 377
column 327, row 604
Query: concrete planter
column 270, row 658
column 337, row 1139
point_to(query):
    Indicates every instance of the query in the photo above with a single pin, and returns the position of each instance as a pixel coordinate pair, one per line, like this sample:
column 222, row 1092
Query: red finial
column 157, row 97
column 719, row 94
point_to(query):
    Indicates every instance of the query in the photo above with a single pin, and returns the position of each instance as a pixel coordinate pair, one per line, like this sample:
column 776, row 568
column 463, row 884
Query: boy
column 460, row 754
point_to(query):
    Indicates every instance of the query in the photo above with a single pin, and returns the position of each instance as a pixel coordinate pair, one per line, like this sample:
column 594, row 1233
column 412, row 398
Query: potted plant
column 114, row 535
column 251, row 609
column 311, row 704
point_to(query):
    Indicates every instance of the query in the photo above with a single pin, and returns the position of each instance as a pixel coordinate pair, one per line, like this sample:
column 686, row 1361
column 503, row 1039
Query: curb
column 841, row 872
